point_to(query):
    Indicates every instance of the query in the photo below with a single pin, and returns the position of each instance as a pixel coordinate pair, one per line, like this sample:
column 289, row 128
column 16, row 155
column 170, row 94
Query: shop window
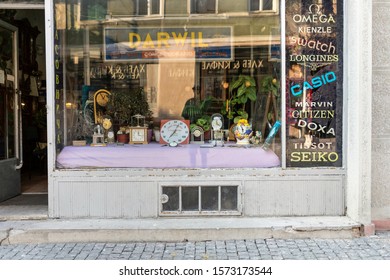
column 196, row 92
column 138, row 94
column 262, row 5
column 314, row 83
column 204, row 6
column 192, row 200
column 134, row 7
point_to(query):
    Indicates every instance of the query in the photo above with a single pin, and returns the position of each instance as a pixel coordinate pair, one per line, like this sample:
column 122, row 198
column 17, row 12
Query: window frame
column 275, row 8
column 161, row 4
column 201, row 212
column 275, row 5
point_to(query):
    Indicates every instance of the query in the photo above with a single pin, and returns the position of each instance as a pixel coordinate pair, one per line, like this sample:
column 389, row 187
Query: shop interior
column 32, row 84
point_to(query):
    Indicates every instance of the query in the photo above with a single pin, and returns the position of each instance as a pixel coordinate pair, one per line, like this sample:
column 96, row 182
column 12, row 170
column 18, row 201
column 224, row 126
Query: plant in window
column 125, row 103
column 241, row 91
column 196, row 112
column 270, row 86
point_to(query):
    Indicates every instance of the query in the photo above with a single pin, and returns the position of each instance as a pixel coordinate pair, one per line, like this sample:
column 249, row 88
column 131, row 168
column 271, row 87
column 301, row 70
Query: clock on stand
column 108, row 130
column 217, row 133
column 139, row 132
column 197, row 135
column 100, row 101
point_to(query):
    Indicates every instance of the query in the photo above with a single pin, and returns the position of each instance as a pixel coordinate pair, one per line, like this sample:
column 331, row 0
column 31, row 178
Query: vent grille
column 196, row 200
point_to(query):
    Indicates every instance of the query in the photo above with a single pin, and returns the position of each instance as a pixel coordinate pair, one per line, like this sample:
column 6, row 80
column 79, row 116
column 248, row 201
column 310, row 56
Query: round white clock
column 177, row 131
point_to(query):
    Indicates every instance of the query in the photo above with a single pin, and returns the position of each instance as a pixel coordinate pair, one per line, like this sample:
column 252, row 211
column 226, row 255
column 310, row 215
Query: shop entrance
column 23, row 151
column 10, row 144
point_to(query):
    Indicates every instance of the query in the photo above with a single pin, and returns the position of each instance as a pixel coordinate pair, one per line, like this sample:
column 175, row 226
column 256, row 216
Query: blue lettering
column 292, row 89
column 316, row 82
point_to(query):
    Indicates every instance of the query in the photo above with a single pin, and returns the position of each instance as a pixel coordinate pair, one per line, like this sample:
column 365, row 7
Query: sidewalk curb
column 174, row 230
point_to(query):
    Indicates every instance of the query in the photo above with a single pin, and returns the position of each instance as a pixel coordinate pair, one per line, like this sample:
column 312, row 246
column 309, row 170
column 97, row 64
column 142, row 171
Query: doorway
column 31, row 89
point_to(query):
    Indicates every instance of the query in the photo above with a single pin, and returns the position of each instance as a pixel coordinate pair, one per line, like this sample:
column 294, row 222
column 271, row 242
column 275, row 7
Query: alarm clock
column 177, row 131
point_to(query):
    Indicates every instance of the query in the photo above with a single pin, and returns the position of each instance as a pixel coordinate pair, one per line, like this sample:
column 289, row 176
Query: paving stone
column 370, row 248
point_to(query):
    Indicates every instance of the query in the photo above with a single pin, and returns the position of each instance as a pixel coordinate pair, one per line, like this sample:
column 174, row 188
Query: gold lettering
column 200, row 38
column 162, row 39
column 179, row 38
column 134, row 40
column 148, row 43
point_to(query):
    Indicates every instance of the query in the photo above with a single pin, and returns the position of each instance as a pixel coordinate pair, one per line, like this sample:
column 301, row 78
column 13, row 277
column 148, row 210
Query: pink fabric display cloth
column 155, row 155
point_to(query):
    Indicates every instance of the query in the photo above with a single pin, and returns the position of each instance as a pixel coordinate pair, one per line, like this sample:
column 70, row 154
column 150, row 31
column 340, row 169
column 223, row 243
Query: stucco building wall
column 380, row 110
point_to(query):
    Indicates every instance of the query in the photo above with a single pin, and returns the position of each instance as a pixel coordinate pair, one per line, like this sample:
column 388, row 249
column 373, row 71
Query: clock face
column 174, row 131
column 137, row 135
column 110, row 135
column 102, row 97
column 107, row 123
column 197, row 132
column 216, row 121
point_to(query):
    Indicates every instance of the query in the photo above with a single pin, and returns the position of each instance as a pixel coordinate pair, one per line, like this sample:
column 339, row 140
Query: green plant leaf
column 235, row 84
column 252, row 95
column 241, row 90
column 236, row 119
column 206, row 127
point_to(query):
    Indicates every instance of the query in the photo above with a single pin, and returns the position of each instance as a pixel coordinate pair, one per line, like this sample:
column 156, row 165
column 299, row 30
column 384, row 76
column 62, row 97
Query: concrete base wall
column 92, row 195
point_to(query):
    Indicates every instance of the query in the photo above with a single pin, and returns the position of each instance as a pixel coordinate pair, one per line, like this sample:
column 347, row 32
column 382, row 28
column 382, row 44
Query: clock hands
column 177, row 126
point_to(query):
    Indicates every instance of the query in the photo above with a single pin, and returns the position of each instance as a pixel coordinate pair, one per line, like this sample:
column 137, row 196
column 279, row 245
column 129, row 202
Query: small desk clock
column 197, row 135
column 139, row 132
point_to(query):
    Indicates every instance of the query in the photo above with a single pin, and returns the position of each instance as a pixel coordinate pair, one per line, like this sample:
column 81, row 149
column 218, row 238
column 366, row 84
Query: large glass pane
column 190, row 198
column 314, row 31
column 209, row 198
column 229, row 196
column 123, row 81
column 171, row 196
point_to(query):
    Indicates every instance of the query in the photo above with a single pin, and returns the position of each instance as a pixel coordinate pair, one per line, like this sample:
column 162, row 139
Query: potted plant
column 241, row 90
column 123, row 135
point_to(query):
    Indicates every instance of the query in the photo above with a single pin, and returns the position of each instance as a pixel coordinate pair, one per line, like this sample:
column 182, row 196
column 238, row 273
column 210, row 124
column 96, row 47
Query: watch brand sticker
column 314, row 91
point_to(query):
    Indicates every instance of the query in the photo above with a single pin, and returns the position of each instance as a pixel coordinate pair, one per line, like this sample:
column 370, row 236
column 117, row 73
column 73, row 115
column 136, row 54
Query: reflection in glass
column 172, row 194
column 190, row 198
column 228, row 198
column 173, row 61
column 209, row 198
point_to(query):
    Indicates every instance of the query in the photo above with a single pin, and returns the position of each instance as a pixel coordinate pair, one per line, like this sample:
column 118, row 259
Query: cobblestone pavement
column 365, row 248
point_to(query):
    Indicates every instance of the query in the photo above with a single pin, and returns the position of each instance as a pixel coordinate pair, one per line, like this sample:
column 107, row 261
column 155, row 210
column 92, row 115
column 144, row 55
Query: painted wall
column 380, row 109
